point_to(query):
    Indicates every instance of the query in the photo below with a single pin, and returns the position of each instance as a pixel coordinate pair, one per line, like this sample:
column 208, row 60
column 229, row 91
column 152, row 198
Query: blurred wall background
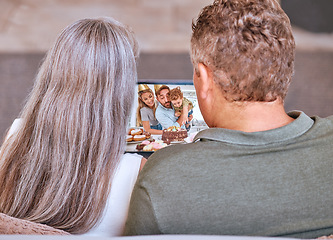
column 163, row 28
column 160, row 26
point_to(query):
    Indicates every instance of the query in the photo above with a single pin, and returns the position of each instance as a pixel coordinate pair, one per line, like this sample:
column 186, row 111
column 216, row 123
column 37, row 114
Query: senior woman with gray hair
column 63, row 164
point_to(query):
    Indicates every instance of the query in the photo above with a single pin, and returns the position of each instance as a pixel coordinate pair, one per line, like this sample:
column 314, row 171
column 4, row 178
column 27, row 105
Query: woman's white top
column 115, row 212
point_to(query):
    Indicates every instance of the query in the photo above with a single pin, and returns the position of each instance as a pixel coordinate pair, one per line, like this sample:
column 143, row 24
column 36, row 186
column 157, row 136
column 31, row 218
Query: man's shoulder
column 177, row 154
column 167, row 162
column 159, row 108
column 173, row 154
column 323, row 126
column 327, row 119
column 177, row 148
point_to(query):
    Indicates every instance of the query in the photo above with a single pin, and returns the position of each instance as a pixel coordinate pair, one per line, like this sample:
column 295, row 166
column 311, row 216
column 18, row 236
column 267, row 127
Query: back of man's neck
column 253, row 116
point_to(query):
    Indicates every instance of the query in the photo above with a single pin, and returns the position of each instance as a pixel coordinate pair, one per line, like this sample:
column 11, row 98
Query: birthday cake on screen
column 173, row 134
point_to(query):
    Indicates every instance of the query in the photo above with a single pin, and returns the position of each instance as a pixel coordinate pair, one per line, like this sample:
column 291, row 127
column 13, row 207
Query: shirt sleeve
column 188, row 103
column 141, row 219
column 165, row 119
column 144, row 114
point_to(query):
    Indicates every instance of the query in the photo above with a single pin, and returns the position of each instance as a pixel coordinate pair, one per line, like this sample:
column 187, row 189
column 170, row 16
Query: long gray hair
column 58, row 167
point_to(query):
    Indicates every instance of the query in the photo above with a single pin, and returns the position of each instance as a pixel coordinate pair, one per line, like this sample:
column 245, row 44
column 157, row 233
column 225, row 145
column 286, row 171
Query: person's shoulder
column 325, row 123
column 174, row 148
column 187, row 100
column 131, row 157
column 145, row 109
column 130, row 161
column 163, row 161
column 159, row 109
column 14, row 127
column 330, row 118
column 320, row 120
column 173, row 154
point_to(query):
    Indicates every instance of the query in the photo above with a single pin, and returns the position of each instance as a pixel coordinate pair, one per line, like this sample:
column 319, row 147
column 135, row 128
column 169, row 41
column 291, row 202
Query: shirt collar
column 298, row 127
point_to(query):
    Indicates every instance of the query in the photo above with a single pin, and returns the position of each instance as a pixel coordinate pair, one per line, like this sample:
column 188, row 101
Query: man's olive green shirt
column 271, row 183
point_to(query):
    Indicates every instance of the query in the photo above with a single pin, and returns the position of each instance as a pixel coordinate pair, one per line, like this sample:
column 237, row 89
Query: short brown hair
column 160, row 89
column 175, row 93
column 248, row 45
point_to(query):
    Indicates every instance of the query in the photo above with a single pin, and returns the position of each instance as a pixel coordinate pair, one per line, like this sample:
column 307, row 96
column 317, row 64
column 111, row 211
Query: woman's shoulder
column 14, row 127
column 131, row 157
column 130, row 161
column 115, row 213
column 145, row 110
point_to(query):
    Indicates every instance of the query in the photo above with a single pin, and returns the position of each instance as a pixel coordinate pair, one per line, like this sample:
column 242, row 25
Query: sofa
column 310, row 91
column 14, row 228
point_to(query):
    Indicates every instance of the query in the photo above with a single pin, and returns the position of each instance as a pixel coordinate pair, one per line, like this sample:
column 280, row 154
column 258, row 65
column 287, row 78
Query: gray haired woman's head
column 73, row 128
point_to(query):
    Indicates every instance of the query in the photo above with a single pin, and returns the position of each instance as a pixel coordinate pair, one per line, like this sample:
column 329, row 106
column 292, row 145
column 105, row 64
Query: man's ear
column 205, row 78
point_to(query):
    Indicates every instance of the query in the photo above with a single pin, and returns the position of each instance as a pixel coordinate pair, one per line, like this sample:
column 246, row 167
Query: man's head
column 249, row 47
column 163, row 96
column 176, row 97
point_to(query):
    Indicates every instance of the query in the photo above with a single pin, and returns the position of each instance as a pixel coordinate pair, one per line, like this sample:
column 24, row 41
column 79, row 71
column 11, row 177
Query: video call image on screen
column 188, row 91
